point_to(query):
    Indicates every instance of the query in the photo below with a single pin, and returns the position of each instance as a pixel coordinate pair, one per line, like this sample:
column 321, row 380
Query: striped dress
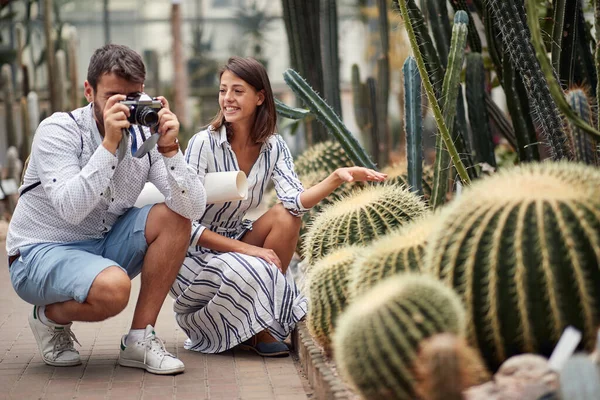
column 223, row 299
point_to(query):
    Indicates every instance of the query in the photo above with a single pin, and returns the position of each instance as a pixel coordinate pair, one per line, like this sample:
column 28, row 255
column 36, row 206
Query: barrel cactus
column 398, row 175
column 402, row 250
column 328, row 292
column 377, row 338
column 522, row 248
column 325, row 156
column 360, row 217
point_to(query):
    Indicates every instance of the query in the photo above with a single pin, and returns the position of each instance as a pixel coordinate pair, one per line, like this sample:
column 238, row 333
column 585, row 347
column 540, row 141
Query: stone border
column 325, row 383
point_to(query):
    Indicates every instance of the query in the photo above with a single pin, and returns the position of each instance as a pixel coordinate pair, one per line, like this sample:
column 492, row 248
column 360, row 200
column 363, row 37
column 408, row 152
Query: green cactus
column 401, row 250
column 329, row 54
column 360, row 217
column 474, row 40
column 446, row 366
column 359, row 100
column 580, row 378
column 429, row 90
column 558, row 32
column 584, row 144
column 413, row 125
column 440, row 27
column 9, row 101
column 328, row 293
column 397, row 174
column 377, row 338
column 522, row 249
column 326, row 156
column 290, row 112
column 327, row 117
column 478, row 115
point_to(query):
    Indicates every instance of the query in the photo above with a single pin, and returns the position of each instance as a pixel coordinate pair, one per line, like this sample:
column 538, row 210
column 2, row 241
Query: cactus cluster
column 377, row 338
column 328, row 292
column 326, row 156
column 401, row 250
column 359, row 218
column 522, row 249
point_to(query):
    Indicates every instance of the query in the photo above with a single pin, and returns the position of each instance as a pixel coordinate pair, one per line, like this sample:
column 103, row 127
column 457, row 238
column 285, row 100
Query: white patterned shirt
column 75, row 189
column 210, row 151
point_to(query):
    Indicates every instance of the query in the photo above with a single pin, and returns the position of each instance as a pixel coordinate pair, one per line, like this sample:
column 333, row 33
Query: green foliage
column 377, row 338
column 522, row 249
column 359, row 218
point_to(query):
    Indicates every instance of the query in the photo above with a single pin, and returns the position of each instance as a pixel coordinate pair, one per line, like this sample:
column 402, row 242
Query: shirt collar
column 223, row 139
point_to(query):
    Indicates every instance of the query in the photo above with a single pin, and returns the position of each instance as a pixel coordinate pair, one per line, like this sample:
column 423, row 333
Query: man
column 75, row 240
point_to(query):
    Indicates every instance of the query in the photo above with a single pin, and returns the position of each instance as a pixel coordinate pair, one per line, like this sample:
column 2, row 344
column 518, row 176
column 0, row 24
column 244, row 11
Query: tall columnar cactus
column 328, row 117
column 361, row 217
column 326, row 156
column 478, row 115
column 50, row 56
column 9, row 101
column 474, row 40
column 329, row 54
column 328, row 293
column 290, row 112
column 74, row 91
column 61, row 81
column 399, row 251
column 580, row 379
column 584, row 144
column 360, row 100
column 522, row 249
column 377, row 338
column 413, row 125
column 511, row 21
column 33, row 115
column 440, row 27
column 429, row 90
column 450, row 90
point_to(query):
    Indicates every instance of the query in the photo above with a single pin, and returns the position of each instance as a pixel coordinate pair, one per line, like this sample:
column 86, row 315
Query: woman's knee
column 110, row 292
column 284, row 219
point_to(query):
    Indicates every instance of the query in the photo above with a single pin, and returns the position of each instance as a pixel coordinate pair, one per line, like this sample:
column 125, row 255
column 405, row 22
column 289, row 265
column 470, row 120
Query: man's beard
column 99, row 116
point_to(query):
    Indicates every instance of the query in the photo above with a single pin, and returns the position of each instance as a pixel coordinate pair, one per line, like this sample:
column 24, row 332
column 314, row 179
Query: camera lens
column 147, row 116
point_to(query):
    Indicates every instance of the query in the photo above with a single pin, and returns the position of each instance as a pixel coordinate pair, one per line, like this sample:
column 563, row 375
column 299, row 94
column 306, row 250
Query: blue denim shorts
column 48, row 273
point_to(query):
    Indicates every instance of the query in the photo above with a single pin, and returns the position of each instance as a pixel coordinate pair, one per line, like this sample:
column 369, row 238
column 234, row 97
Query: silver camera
column 143, row 109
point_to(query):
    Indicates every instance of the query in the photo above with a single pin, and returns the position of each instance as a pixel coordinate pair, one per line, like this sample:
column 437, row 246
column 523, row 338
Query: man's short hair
column 119, row 60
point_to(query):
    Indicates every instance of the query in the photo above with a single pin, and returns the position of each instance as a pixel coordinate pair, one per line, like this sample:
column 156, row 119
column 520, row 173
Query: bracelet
column 169, row 148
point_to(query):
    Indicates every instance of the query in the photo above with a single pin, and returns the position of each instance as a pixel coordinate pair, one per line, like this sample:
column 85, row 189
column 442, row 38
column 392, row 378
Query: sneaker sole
column 280, row 354
column 141, row 365
column 50, row 362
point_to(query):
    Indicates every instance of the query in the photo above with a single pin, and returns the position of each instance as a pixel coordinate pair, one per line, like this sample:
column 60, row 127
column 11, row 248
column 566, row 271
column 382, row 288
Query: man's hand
column 168, row 126
column 115, row 119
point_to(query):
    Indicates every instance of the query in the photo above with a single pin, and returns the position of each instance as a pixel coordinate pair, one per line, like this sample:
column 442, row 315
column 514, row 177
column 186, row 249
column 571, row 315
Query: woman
column 232, row 288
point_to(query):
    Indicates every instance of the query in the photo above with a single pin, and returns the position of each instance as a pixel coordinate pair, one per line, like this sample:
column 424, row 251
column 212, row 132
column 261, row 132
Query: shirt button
column 183, row 191
column 172, row 168
column 113, row 199
column 101, row 194
column 113, row 167
column 54, row 180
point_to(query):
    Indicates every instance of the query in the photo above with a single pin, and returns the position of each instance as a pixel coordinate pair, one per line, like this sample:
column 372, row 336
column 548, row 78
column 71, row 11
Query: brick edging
column 324, row 382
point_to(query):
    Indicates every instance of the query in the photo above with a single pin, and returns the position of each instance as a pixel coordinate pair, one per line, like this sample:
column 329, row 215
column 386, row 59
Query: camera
column 143, row 109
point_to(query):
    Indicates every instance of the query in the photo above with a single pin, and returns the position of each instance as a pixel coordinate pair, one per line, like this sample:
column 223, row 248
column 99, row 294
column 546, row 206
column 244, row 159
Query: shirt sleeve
column 184, row 192
column 287, row 185
column 73, row 191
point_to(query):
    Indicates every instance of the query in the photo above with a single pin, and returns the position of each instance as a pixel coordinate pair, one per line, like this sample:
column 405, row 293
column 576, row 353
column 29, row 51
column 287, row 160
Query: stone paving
column 232, row 375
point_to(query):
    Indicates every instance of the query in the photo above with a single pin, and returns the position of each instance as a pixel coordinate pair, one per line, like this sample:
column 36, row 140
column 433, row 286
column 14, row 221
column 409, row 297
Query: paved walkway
column 231, row 375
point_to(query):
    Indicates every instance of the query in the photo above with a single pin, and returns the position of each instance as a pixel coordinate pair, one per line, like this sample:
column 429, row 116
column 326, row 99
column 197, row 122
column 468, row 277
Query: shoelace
column 63, row 340
column 151, row 341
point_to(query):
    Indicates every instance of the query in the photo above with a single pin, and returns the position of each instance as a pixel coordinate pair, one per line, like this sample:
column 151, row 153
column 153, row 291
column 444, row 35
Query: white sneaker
column 55, row 342
column 149, row 354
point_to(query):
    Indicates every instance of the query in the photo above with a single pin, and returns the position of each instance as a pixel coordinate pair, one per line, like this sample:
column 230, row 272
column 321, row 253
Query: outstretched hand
column 359, row 174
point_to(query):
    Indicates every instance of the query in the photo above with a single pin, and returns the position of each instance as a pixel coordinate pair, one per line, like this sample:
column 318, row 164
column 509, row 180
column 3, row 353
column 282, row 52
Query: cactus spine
column 522, row 248
column 9, row 101
column 413, row 125
column 359, row 218
column 401, row 250
column 437, row 112
column 584, row 144
column 329, row 54
column 478, row 116
column 328, row 293
column 446, row 366
column 327, row 117
column 377, row 338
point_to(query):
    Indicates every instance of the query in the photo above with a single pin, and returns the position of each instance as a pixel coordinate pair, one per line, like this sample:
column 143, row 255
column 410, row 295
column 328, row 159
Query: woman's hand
column 359, row 174
column 266, row 254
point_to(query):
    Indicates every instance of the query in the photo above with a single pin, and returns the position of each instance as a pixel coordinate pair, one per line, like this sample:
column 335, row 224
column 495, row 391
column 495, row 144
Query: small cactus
column 328, row 281
column 325, row 156
column 360, row 217
column 522, row 249
column 377, row 338
column 446, row 366
column 401, row 250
